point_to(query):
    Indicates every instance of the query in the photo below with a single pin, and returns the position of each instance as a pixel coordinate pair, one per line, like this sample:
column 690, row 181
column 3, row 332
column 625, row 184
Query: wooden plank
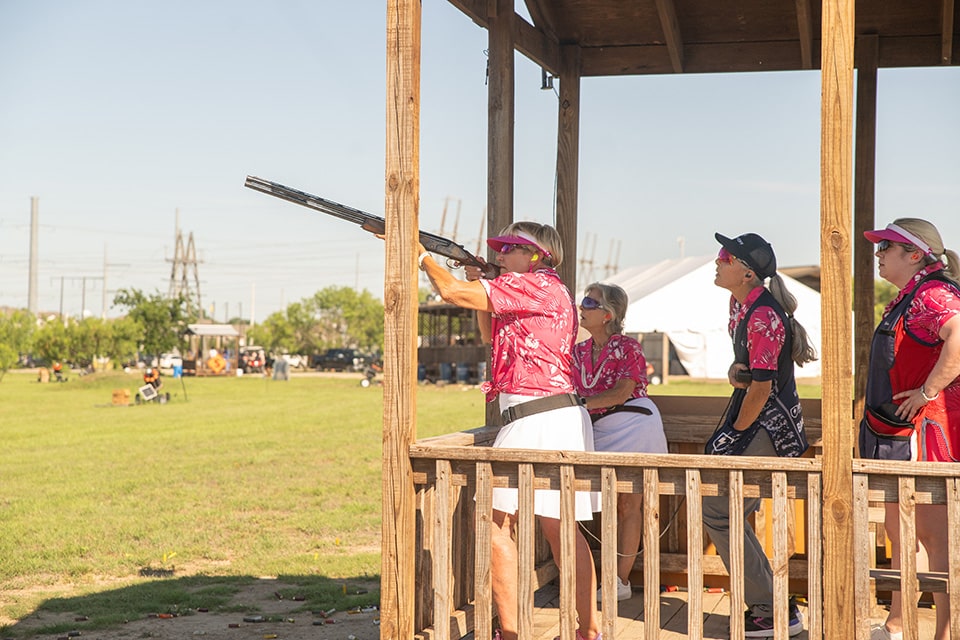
column 805, row 33
column 525, row 552
column 736, row 555
column 908, row 557
column 694, row 554
column 946, row 32
column 953, row 562
column 814, row 558
column 568, row 553
column 568, row 162
column 862, row 548
column 927, row 581
column 667, row 11
column 608, row 552
column 401, row 213
column 442, row 597
column 651, row 554
column 781, row 586
column 482, row 577
column 836, row 195
column 500, row 121
column 867, row 54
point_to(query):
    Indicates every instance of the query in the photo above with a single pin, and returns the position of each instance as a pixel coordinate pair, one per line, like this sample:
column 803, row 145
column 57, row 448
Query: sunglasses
column 726, row 256
column 883, row 245
column 589, row 304
column 507, row 248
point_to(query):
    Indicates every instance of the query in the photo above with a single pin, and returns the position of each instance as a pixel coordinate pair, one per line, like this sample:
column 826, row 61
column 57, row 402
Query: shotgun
column 374, row 224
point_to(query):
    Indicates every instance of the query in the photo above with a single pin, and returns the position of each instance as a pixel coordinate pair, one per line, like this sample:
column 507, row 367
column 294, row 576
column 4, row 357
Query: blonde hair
column 613, row 299
column 545, row 235
column 929, row 234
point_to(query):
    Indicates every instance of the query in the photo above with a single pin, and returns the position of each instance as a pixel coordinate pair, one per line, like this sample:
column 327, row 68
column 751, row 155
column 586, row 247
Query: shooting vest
column 900, row 360
column 781, row 415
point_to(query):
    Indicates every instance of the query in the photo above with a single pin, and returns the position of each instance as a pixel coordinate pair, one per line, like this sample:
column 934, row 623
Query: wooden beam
column 667, row 11
column 401, row 212
column 836, row 178
column 867, row 53
column 568, row 161
column 946, row 33
column 542, row 15
column 535, row 43
column 735, row 57
column 805, row 32
column 500, row 133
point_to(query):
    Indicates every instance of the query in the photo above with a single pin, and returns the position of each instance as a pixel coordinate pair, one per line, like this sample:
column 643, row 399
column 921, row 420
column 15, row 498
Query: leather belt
column 621, row 408
column 531, row 407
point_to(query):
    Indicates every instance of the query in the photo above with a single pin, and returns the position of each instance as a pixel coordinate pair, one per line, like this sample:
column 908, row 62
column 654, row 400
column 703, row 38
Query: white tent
column 679, row 298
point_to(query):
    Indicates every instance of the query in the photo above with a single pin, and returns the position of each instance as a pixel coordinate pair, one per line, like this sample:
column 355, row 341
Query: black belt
column 540, row 405
column 621, row 408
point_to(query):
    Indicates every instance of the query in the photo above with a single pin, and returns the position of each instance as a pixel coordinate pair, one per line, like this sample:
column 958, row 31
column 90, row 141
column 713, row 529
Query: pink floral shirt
column 930, row 308
column 621, row 357
column 533, row 328
column 765, row 333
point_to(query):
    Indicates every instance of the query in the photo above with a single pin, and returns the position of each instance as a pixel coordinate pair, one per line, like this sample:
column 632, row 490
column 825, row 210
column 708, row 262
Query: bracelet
column 420, row 260
column 924, row 394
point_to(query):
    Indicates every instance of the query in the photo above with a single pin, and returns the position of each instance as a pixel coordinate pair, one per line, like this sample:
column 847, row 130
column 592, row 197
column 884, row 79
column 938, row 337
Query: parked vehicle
column 337, row 360
column 295, row 360
column 252, row 359
column 168, row 361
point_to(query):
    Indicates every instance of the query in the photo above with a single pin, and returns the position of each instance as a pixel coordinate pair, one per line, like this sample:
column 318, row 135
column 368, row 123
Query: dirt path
column 282, row 620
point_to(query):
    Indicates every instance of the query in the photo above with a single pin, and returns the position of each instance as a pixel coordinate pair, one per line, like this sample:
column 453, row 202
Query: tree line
column 155, row 324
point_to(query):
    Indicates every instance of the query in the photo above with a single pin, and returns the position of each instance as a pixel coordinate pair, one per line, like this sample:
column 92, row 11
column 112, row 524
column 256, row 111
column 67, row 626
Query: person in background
column 609, row 372
column 528, row 316
column 764, row 416
column 151, row 376
column 912, row 410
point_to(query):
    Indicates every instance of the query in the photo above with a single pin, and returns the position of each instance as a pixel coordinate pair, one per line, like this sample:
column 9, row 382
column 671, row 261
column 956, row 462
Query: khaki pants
column 758, row 577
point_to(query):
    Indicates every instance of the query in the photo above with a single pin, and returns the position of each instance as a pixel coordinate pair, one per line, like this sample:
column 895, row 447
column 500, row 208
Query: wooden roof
column 626, row 37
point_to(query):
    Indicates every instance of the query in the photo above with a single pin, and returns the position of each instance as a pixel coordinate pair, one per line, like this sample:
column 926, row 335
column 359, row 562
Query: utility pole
column 32, row 289
column 106, row 265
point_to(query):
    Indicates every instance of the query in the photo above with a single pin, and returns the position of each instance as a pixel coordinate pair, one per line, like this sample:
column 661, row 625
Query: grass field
column 234, row 478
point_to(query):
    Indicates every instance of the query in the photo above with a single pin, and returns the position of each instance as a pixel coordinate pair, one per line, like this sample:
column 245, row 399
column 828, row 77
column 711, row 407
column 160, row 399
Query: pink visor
column 896, row 233
column 518, row 238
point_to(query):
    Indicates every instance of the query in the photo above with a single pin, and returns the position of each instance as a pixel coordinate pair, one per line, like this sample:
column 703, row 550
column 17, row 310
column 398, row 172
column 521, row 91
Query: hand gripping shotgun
column 373, row 224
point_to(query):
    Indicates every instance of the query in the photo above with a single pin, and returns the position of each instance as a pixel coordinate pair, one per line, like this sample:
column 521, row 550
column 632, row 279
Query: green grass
column 121, row 511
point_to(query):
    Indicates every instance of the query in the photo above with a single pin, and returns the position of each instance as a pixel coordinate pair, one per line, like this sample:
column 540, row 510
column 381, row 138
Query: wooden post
column 867, row 54
column 500, row 131
column 836, row 177
column 401, row 211
column 568, row 161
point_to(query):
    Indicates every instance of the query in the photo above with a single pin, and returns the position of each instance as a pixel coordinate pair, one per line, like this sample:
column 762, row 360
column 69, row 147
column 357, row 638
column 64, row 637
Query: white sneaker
column 879, row 632
column 624, row 591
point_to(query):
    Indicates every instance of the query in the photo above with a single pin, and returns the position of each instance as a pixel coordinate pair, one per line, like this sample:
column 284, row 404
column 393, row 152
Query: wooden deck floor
column 673, row 616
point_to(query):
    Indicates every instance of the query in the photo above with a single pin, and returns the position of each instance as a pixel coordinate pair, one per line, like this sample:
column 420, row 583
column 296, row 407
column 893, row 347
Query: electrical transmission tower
column 185, row 260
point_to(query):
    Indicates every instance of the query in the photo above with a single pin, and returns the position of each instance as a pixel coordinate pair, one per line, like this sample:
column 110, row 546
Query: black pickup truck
column 337, row 360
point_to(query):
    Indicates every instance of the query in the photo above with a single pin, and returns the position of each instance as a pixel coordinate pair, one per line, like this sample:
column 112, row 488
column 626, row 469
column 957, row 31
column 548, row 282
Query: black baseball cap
column 753, row 250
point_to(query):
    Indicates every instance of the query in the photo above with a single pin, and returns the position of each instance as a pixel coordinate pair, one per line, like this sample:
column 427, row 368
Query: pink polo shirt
column 533, row 328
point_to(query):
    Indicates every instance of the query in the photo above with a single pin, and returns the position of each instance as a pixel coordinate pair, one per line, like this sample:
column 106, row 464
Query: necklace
column 590, row 379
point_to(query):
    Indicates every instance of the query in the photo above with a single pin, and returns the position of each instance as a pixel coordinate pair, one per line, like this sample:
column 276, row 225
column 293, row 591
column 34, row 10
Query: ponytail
column 803, row 351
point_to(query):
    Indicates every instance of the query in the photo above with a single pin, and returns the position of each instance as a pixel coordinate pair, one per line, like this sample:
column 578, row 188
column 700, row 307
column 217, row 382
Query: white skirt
column 567, row 429
column 629, row 432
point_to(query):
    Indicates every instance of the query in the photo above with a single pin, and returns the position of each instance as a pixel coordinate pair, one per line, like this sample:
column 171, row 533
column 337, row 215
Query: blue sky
column 117, row 114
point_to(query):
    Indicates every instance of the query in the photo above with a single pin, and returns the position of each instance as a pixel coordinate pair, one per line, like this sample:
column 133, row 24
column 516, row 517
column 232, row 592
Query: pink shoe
column 580, row 637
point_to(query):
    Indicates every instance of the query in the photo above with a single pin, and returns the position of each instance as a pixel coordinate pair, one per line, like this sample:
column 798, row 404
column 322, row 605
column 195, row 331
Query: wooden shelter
column 572, row 39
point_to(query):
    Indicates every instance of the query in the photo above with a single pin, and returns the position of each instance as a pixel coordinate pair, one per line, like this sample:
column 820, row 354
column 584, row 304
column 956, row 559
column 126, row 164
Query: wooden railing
column 455, row 476
column 907, row 484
